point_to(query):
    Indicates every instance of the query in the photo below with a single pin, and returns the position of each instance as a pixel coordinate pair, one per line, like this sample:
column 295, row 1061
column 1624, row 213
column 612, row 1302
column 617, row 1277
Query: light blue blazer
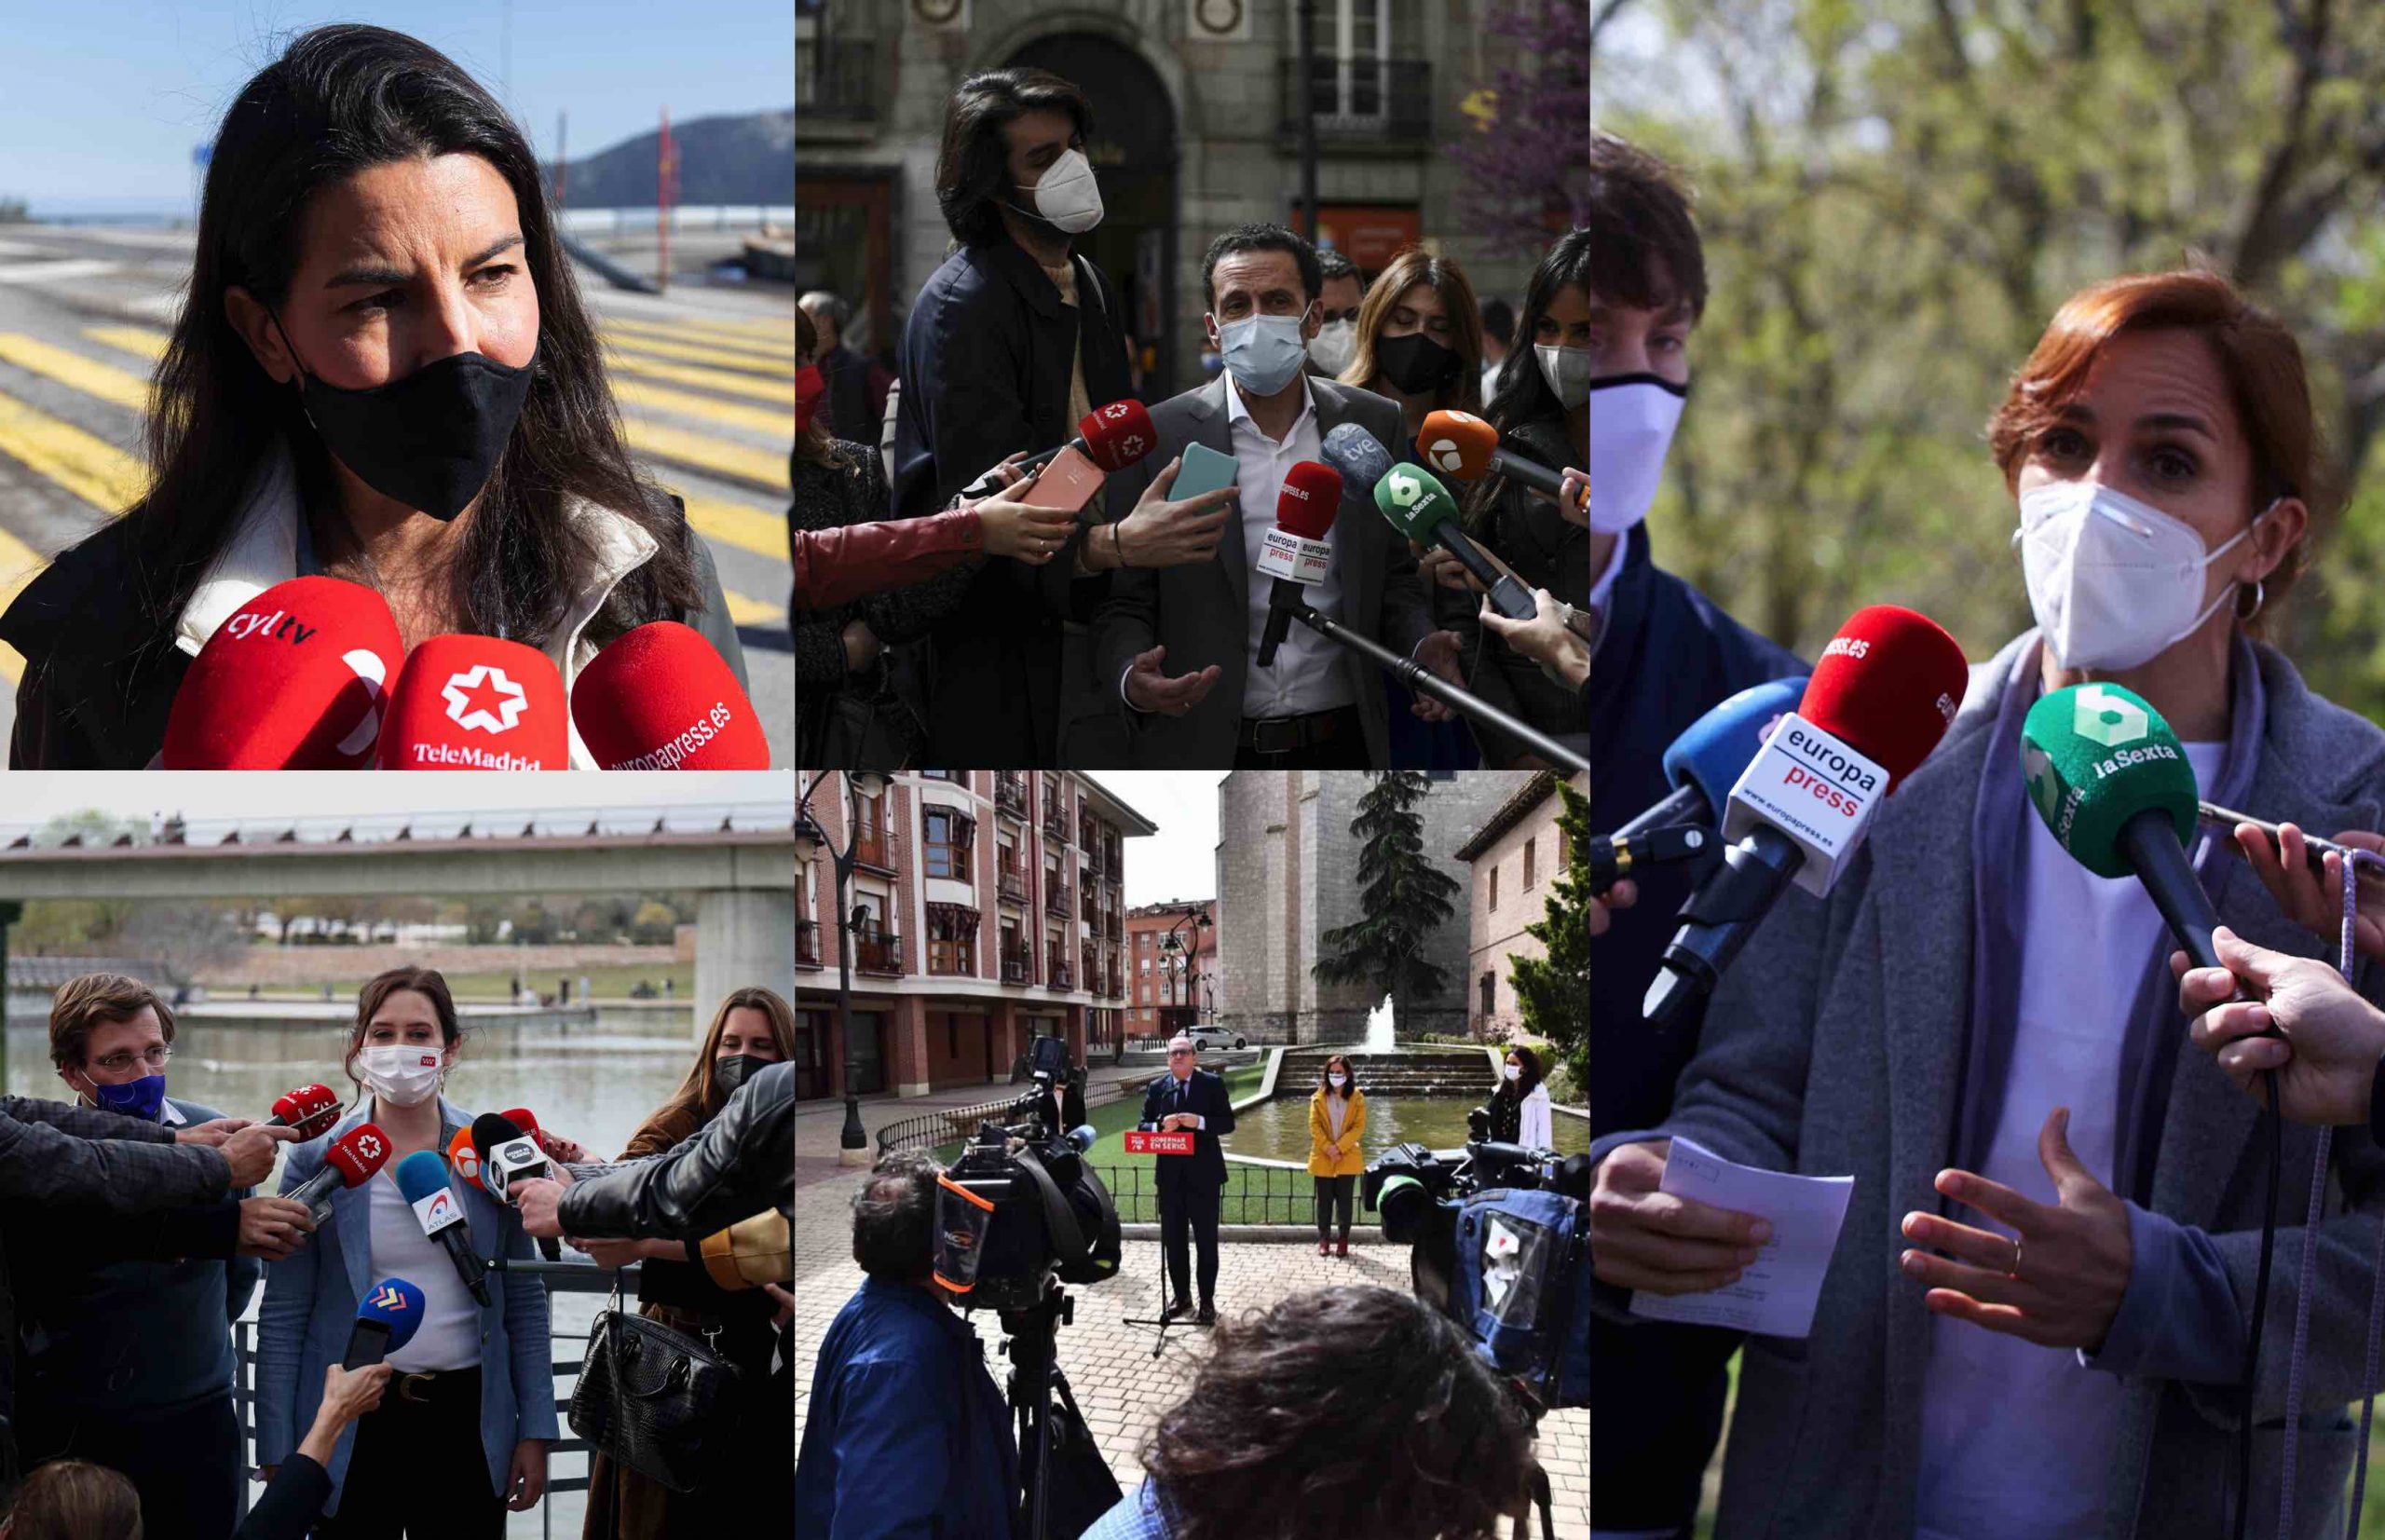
column 311, row 1299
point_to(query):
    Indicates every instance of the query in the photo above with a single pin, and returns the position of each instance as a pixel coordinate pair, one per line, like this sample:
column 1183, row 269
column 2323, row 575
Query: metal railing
column 1062, row 978
column 1010, row 883
column 807, row 943
column 874, row 846
column 1016, row 968
column 1253, row 1194
column 949, row 1125
column 1010, row 793
column 834, row 78
column 1362, row 102
column 877, row 952
column 1056, row 898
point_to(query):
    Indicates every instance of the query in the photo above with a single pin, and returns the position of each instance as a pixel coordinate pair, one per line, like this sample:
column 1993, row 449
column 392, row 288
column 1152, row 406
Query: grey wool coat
column 1833, row 1046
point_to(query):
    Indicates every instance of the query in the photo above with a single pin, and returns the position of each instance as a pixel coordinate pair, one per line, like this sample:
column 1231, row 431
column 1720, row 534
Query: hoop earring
column 2260, row 597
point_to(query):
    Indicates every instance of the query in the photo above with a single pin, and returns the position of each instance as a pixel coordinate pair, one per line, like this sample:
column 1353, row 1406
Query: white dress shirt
column 1308, row 674
column 1182, row 1092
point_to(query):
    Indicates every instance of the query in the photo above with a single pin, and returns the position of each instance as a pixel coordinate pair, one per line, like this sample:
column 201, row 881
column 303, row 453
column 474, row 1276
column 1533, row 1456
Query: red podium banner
column 1140, row 1143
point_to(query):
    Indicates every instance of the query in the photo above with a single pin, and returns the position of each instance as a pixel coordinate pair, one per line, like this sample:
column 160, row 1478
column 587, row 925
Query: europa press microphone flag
column 1701, row 766
column 660, row 697
column 476, row 703
column 293, row 679
column 1296, row 554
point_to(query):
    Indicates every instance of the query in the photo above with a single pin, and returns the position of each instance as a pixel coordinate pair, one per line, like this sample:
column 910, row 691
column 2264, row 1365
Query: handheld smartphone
column 1204, row 471
column 1070, row 482
column 2314, row 850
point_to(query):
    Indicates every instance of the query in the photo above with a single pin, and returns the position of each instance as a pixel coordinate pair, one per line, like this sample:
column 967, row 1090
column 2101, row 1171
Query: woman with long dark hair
column 385, row 374
column 1419, row 339
column 1519, row 1108
column 1337, row 1121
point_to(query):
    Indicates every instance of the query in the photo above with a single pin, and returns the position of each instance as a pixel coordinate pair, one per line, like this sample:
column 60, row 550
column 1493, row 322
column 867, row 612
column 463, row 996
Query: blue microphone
column 1706, row 761
column 1081, row 1138
column 386, row 1320
column 422, row 1177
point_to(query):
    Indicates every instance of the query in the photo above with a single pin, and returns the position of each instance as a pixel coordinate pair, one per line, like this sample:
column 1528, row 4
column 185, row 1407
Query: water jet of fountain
column 1379, row 1028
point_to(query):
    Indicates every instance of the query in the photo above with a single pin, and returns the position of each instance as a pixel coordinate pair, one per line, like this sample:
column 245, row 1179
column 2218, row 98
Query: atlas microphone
column 661, row 697
column 1296, row 554
column 476, row 703
column 1113, row 437
column 1885, row 692
column 1422, row 508
column 293, row 679
column 386, row 1319
column 351, row 1161
column 1461, row 444
column 1707, row 759
column 310, row 1109
column 422, row 1177
column 508, row 1156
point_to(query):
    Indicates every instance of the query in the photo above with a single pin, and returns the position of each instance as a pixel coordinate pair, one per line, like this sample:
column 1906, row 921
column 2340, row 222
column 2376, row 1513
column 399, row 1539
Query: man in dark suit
column 1062, row 1107
column 1195, row 1101
column 1178, row 647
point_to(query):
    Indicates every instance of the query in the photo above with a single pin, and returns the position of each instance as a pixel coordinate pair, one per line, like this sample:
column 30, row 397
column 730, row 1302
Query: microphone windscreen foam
column 476, row 703
column 310, row 1109
column 1415, row 500
column 491, row 1129
column 1117, row 435
column 520, row 1117
column 1713, row 752
column 1358, row 455
column 1887, row 685
column 464, row 1158
column 661, row 697
column 1312, row 494
column 421, row 1174
column 1457, row 443
column 293, row 679
column 359, row 1153
column 396, row 1305
column 2093, row 756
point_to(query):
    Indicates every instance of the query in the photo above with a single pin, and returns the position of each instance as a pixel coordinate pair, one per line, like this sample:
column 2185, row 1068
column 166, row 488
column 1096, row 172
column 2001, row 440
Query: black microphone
column 1618, row 856
column 508, row 1155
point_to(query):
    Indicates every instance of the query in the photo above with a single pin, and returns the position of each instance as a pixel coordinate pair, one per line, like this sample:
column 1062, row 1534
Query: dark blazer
column 1207, row 1096
column 1070, row 1113
column 741, row 1164
column 1200, row 612
column 985, row 364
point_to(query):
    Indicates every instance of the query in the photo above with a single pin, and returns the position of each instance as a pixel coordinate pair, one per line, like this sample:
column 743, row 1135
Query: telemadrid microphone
column 661, row 697
column 1296, row 554
column 1707, row 759
column 476, row 703
column 422, row 1177
column 1359, row 454
column 351, row 1161
column 310, row 1109
column 1884, row 693
column 1422, row 508
column 508, row 1155
column 1113, row 437
column 386, row 1319
column 293, row 679
column 1461, row 444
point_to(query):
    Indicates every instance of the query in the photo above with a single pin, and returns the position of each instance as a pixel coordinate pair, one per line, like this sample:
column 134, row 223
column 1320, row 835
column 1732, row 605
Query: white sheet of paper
column 1776, row 1296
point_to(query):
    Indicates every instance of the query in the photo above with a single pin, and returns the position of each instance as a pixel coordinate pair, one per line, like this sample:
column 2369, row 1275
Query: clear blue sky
column 102, row 101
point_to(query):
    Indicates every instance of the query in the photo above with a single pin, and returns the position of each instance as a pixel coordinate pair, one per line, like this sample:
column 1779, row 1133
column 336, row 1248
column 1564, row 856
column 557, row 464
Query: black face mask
column 430, row 440
column 1416, row 363
column 731, row 1071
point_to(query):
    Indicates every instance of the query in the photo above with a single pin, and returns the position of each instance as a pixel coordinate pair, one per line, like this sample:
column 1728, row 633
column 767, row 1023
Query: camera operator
column 1314, row 1410
column 1190, row 1100
column 908, row 1435
column 744, row 1160
column 1061, row 1105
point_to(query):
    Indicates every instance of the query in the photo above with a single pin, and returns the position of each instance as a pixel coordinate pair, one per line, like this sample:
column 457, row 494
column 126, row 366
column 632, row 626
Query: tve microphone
column 1359, row 454
column 1712, row 752
column 311, row 1109
column 476, row 703
column 1422, row 508
column 510, row 1155
column 1296, row 554
column 386, row 1319
column 1886, row 690
column 1113, row 437
column 422, row 1177
column 1461, row 444
column 662, row 698
column 350, row 1161
column 290, row 680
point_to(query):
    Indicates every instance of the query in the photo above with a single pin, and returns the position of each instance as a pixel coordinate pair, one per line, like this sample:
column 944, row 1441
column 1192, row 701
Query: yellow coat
column 1320, row 1134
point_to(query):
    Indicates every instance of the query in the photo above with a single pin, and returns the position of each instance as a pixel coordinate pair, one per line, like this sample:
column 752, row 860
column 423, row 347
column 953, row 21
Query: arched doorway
column 1132, row 151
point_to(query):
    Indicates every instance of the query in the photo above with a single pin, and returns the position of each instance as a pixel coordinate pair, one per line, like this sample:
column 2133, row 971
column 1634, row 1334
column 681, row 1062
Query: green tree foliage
column 1896, row 194
column 1405, row 894
column 1553, row 994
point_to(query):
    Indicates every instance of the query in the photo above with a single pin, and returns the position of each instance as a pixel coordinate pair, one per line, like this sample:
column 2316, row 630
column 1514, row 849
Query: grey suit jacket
column 1200, row 612
column 1871, row 988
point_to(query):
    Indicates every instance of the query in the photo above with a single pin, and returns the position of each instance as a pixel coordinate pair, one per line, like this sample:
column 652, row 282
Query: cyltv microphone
column 1461, row 444
column 1885, row 692
column 310, row 1109
column 1422, row 508
column 476, row 703
column 422, row 1177
column 662, row 698
column 1296, row 554
column 1359, row 454
column 386, row 1319
column 1712, row 752
column 349, row 1162
column 292, row 679
column 1113, row 437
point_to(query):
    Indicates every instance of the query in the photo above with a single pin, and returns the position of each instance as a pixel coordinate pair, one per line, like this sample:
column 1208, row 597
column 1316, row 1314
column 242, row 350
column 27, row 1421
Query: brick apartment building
column 1514, row 856
column 987, row 906
column 1168, row 989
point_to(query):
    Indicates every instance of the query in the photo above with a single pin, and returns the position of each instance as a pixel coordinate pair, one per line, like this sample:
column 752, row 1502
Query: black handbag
column 651, row 1397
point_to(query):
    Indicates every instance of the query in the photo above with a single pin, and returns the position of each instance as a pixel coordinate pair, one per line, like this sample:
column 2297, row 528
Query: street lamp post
column 1175, row 960
column 809, row 840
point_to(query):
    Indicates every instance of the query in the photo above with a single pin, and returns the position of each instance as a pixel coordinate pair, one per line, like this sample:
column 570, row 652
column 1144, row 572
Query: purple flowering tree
column 1527, row 161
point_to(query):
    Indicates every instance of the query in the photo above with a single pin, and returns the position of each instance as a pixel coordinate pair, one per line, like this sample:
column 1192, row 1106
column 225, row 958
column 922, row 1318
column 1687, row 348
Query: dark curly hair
column 1356, row 1407
column 973, row 164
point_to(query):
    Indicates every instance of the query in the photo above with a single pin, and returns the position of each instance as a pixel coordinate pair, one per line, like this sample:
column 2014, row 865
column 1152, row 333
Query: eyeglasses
column 117, row 1064
column 1180, row 1053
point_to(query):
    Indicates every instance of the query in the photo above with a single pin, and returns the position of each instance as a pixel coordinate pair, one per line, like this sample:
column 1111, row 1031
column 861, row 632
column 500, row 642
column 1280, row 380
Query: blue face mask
column 1263, row 353
column 142, row 1098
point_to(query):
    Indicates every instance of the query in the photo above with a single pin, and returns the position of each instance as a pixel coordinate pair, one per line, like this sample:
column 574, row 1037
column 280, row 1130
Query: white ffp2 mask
column 1067, row 196
column 1632, row 418
column 2113, row 581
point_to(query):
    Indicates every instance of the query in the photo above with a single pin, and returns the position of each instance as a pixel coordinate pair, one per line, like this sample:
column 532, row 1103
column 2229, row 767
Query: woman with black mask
column 694, row 1288
column 1420, row 341
column 384, row 374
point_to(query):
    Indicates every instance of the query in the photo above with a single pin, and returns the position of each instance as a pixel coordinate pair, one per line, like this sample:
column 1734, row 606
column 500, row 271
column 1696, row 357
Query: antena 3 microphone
column 1461, row 444
column 293, row 679
column 476, row 703
column 662, row 698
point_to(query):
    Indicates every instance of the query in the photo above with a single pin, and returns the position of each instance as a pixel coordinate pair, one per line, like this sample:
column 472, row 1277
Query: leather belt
column 413, row 1387
column 1287, row 734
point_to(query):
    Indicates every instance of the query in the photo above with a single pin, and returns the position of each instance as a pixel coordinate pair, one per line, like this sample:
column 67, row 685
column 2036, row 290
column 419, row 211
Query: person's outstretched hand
column 2310, row 900
column 2327, row 1036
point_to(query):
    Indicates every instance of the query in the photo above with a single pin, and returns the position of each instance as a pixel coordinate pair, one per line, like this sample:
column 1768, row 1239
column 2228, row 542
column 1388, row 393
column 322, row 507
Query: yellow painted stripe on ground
column 132, row 339
column 752, row 529
column 754, row 419
column 652, row 348
column 18, row 563
column 773, row 328
column 776, row 351
column 752, row 612
column 116, row 386
column 87, row 466
column 762, row 468
column 779, row 393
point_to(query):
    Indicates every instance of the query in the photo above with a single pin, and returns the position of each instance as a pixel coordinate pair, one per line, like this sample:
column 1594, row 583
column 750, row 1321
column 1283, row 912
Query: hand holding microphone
column 2303, row 1020
column 248, row 1150
column 272, row 1228
column 2313, row 899
column 1545, row 639
column 1012, row 526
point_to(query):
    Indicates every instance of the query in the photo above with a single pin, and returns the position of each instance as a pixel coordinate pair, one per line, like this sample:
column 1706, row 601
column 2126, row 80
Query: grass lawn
column 610, row 983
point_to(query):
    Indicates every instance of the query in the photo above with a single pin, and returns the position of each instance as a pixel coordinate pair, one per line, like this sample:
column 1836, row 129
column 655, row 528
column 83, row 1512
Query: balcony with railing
column 1055, row 822
column 1010, row 883
column 1111, row 927
column 1117, row 983
column 1088, row 841
column 833, row 79
column 1091, row 969
column 873, row 847
column 1018, row 968
column 1056, row 898
column 806, row 943
column 1062, row 977
column 1361, row 104
column 1088, row 909
column 1093, row 866
column 877, row 952
column 1010, row 793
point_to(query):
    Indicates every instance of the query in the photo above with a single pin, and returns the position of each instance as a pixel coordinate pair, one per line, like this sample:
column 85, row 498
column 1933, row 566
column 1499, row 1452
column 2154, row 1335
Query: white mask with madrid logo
column 401, row 1075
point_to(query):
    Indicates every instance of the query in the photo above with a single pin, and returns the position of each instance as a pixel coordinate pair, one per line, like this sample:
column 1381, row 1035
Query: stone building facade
column 1196, row 114
column 1513, row 856
column 1287, row 872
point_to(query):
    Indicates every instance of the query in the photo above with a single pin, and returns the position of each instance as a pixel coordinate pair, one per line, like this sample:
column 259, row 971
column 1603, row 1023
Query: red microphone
column 1111, row 437
column 311, row 1109
column 353, row 1159
column 292, row 679
column 476, row 703
column 1887, row 683
column 1296, row 554
column 1461, row 444
column 661, row 697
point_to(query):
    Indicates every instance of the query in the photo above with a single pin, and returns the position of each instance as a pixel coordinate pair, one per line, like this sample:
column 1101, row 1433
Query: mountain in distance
column 730, row 157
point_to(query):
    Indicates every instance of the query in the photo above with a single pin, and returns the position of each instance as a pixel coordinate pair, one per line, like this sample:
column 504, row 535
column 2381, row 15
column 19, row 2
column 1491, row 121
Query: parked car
column 1214, row 1037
